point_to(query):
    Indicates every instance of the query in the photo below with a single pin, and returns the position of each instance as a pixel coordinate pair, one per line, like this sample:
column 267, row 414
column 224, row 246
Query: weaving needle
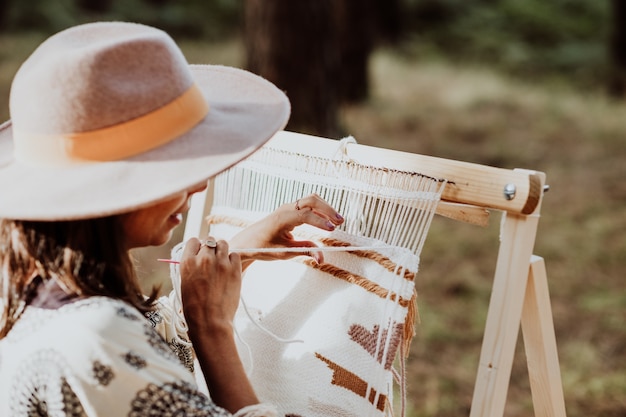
column 294, row 249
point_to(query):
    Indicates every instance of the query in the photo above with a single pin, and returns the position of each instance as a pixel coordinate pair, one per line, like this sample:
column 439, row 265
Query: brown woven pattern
column 363, row 282
column 382, row 260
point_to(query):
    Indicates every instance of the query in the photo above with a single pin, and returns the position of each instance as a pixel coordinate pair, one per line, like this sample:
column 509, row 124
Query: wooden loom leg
column 517, row 237
column 540, row 344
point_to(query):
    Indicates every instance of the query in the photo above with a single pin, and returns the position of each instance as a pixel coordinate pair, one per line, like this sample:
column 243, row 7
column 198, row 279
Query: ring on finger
column 210, row 244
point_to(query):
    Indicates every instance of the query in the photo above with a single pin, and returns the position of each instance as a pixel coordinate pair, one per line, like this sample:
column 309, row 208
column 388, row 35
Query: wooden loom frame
column 520, row 289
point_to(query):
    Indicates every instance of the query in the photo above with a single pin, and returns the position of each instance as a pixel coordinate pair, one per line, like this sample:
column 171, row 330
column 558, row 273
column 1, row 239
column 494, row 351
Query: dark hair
column 86, row 257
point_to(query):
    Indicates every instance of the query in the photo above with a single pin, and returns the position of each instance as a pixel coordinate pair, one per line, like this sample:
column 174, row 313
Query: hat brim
column 245, row 111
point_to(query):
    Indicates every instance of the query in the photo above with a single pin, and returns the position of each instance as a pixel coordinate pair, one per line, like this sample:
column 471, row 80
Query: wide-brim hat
column 109, row 117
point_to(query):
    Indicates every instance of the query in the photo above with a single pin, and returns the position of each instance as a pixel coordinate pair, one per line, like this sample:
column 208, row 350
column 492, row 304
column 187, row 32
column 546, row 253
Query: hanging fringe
column 412, row 317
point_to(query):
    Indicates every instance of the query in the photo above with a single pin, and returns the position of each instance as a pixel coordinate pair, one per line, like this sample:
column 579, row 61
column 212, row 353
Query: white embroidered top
column 97, row 357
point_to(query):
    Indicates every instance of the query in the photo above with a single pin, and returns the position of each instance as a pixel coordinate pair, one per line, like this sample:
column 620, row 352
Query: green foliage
column 44, row 15
column 527, row 38
column 211, row 19
column 183, row 18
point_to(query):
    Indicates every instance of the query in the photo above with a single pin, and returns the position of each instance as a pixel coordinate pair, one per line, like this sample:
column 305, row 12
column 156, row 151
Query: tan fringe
column 382, row 260
column 412, row 317
column 355, row 279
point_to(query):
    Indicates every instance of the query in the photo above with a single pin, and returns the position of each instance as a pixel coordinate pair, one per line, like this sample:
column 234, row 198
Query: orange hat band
column 115, row 142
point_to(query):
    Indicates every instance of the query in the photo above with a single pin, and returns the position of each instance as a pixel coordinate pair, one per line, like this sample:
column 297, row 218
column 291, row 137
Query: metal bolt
column 509, row 191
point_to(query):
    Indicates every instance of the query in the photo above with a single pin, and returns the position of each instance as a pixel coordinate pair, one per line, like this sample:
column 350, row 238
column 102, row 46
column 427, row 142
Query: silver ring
column 210, row 244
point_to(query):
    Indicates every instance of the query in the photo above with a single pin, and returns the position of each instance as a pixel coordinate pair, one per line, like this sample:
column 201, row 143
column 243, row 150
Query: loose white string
column 266, row 331
column 342, row 148
column 175, row 319
column 173, row 311
column 174, row 308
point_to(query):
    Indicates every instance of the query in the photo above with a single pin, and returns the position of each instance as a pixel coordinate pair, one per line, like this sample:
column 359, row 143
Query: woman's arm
column 274, row 231
column 210, row 285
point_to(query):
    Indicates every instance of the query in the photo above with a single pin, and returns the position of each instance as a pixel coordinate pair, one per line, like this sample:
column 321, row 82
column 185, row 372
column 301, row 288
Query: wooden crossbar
column 519, row 294
column 468, row 183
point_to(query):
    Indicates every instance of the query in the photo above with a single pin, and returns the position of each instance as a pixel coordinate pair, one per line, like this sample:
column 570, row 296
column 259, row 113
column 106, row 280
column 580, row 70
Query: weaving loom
column 322, row 340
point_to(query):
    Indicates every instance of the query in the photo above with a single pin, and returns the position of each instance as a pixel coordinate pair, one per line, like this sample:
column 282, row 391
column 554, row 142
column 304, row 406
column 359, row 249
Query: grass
column 579, row 140
column 474, row 114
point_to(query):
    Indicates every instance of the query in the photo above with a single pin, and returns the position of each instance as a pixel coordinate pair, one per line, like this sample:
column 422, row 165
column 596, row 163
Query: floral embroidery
column 154, row 318
column 102, row 373
column 72, row 404
column 173, row 399
column 135, row 360
column 41, row 389
column 48, row 382
column 184, row 353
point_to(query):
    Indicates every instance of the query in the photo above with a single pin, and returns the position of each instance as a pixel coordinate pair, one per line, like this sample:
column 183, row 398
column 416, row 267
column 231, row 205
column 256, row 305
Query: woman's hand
column 274, row 231
column 210, row 287
column 210, row 284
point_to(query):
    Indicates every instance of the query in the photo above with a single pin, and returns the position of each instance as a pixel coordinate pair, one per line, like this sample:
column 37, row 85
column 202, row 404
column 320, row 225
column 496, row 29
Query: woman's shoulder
column 101, row 312
column 78, row 320
column 79, row 332
column 98, row 353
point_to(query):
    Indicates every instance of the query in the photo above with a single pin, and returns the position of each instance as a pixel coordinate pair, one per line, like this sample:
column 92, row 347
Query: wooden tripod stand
column 520, row 289
column 519, row 295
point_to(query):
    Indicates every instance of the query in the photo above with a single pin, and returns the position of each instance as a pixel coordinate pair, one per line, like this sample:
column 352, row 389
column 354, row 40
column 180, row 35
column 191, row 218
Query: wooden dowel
column 468, row 182
column 464, row 212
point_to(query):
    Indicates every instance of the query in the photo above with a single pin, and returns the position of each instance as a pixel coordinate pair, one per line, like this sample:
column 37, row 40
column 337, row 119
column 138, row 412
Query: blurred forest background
column 517, row 84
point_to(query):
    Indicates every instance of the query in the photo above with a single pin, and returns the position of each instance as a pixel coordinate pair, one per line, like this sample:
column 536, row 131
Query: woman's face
column 153, row 225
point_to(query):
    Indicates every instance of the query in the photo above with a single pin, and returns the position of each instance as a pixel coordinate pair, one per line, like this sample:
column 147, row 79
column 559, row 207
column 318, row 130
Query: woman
column 111, row 133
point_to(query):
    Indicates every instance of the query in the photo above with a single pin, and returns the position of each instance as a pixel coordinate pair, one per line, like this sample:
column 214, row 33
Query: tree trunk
column 293, row 44
column 617, row 50
column 390, row 24
column 4, row 9
column 97, row 6
column 356, row 25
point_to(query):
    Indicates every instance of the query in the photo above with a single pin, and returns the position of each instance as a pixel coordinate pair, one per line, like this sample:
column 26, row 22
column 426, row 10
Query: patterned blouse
column 96, row 357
